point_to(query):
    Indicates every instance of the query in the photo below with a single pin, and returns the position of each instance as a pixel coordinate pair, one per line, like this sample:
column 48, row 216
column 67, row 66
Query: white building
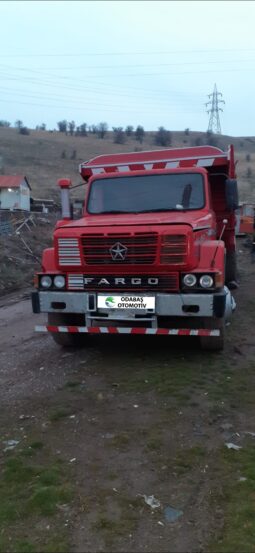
column 14, row 192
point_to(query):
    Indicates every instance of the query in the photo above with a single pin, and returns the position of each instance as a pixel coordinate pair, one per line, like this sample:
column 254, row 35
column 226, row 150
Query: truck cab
column 154, row 252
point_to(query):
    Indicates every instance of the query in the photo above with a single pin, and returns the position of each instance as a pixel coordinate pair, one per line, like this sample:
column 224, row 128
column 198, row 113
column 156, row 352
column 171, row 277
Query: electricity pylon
column 214, row 119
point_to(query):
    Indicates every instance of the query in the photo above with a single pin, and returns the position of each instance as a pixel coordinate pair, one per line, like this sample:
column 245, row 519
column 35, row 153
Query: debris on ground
column 10, row 444
column 171, row 514
column 151, row 501
column 233, row 446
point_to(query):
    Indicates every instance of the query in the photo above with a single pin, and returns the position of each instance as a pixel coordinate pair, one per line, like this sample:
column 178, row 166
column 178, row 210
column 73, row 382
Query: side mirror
column 231, row 194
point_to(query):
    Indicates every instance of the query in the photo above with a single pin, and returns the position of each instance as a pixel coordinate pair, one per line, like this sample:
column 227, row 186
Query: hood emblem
column 118, row 252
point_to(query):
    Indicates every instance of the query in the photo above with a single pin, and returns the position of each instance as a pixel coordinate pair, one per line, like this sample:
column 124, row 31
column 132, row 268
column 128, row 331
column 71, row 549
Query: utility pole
column 214, row 119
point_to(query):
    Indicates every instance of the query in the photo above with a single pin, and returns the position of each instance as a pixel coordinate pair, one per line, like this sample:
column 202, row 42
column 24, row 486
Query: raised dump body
column 153, row 251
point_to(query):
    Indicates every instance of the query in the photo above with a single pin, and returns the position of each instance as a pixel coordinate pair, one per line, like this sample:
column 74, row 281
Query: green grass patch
column 30, row 493
column 237, row 499
column 32, row 449
column 114, row 528
column 119, row 441
column 72, row 384
column 59, row 414
column 36, row 445
column 175, row 378
column 154, row 444
column 27, row 489
column 187, row 459
column 55, row 544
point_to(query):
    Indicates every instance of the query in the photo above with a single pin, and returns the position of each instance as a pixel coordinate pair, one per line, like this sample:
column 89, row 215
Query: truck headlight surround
column 206, row 281
column 59, row 281
column 46, row 281
column 189, row 280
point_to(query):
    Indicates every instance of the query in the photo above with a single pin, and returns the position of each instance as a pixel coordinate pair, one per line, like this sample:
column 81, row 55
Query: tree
column 18, row 124
column 139, row 134
column 102, row 129
column 83, row 129
column 71, row 127
column 129, row 130
column 4, row 123
column 211, row 139
column 41, row 127
column 93, row 129
column 163, row 137
column 62, row 126
column 118, row 135
column 187, row 131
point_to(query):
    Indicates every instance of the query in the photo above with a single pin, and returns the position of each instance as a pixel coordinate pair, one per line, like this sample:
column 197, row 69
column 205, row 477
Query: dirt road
column 98, row 430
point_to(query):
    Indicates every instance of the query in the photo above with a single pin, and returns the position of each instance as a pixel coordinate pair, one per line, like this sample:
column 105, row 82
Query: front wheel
column 66, row 339
column 213, row 343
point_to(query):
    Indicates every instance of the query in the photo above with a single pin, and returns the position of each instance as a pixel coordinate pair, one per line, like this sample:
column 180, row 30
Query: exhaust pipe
column 64, row 185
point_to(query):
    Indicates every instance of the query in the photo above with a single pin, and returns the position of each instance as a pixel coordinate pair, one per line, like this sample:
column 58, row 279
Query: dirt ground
column 127, row 418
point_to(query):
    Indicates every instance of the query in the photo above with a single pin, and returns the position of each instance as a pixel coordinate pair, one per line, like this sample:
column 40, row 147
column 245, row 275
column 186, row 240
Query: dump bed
column 201, row 156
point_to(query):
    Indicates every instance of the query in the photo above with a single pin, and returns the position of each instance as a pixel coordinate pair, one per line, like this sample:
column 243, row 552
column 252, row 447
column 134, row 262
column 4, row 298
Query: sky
column 149, row 63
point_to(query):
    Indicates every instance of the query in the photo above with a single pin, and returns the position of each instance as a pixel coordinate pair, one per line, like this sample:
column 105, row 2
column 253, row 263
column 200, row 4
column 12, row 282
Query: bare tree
column 62, row 126
column 129, row 130
column 139, row 134
column 163, row 137
column 93, row 129
column 71, row 127
column 118, row 135
column 102, row 129
column 18, row 124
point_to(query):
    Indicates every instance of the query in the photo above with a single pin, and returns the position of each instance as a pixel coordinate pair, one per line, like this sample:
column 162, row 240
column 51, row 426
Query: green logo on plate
column 109, row 302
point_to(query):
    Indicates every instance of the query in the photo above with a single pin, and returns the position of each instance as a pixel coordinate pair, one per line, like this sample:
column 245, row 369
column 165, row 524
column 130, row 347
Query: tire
column 231, row 268
column 67, row 339
column 213, row 343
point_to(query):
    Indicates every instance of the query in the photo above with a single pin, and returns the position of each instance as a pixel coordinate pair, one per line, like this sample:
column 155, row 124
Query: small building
column 14, row 192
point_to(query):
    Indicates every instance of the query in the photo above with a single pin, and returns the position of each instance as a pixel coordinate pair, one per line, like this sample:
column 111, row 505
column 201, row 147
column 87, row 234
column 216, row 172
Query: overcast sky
column 128, row 63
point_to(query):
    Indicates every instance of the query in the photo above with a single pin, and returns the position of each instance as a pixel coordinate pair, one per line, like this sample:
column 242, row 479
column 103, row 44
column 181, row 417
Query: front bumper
column 220, row 304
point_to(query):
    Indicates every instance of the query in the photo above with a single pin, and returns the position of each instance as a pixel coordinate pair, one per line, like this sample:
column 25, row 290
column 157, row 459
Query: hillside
column 39, row 156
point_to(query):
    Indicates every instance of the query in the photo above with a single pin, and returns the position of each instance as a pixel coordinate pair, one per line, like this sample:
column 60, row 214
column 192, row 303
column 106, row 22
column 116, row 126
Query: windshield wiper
column 157, row 209
column 110, row 211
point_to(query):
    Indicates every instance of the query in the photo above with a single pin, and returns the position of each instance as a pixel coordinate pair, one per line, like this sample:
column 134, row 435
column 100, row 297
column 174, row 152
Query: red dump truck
column 153, row 253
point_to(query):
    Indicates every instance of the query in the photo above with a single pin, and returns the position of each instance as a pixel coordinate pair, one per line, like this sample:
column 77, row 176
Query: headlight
column 59, row 281
column 189, row 280
column 46, row 281
column 206, row 281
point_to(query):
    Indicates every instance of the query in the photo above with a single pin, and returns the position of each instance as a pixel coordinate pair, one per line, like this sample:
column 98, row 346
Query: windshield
column 138, row 194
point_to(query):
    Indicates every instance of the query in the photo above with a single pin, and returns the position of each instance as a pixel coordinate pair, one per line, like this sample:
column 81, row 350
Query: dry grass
column 38, row 156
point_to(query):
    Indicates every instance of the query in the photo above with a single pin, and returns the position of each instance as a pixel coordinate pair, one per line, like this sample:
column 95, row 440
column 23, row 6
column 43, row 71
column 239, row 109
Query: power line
column 93, row 54
column 214, row 119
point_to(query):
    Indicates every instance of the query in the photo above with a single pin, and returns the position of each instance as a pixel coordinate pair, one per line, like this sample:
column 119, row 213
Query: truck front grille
column 68, row 252
column 139, row 248
column 128, row 283
column 174, row 249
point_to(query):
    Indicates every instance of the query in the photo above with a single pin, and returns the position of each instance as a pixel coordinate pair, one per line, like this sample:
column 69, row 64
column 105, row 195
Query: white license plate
column 126, row 302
